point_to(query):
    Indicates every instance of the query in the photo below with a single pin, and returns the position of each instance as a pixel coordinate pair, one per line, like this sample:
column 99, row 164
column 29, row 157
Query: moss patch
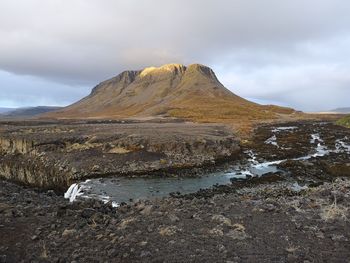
column 344, row 121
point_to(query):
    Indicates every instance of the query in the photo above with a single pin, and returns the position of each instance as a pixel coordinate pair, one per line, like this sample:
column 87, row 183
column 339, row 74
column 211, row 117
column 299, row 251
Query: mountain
column 4, row 110
column 172, row 90
column 29, row 111
column 341, row 110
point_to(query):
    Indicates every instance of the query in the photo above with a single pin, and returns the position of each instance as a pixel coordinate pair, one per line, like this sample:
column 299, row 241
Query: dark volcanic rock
column 220, row 228
column 299, row 214
column 54, row 156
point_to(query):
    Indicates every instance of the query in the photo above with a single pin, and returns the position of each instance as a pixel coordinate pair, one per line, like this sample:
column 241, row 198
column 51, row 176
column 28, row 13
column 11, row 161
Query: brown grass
column 334, row 211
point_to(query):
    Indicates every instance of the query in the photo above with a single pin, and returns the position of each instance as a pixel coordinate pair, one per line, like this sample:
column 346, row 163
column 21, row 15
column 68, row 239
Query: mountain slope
column 4, row 110
column 173, row 90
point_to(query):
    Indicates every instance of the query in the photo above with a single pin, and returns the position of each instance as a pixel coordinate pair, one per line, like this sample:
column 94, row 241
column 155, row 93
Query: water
column 272, row 140
column 122, row 189
column 340, row 145
column 289, row 128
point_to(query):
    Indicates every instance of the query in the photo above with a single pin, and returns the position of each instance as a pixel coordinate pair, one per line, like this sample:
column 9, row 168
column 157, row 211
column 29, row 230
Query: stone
column 68, row 232
column 145, row 254
column 4, row 207
column 173, row 218
column 168, row 231
column 147, row 210
column 35, row 237
column 95, row 168
column 216, row 232
column 340, row 238
column 237, row 234
column 88, row 212
column 222, row 219
column 112, row 252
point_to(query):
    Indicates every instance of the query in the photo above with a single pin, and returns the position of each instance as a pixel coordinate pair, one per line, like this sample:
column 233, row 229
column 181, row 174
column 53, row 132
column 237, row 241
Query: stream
column 122, row 189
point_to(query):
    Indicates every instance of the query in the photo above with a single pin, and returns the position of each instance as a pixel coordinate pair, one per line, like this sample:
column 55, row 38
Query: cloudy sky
column 291, row 52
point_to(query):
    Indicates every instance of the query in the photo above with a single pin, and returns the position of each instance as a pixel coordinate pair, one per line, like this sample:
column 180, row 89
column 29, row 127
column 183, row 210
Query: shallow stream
column 122, row 189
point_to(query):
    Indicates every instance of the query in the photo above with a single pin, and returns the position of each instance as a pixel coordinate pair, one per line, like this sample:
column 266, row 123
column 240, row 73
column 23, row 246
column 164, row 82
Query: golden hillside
column 173, row 90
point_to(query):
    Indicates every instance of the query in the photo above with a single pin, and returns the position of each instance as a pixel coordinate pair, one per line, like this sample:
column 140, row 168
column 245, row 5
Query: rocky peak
column 156, row 74
column 178, row 70
column 173, row 69
column 125, row 78
column 204, row 70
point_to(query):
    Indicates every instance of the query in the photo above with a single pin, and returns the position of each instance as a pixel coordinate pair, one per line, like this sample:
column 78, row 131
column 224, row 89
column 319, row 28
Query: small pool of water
column 122, row 189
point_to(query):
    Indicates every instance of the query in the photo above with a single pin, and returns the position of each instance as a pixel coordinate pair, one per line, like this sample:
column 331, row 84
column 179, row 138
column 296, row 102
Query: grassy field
column 344, row 121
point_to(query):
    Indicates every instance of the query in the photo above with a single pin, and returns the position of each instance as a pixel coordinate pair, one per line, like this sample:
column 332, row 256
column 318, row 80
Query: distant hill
column 4, row 110
column 173, row 90
column 29, row 111
column 341, row 110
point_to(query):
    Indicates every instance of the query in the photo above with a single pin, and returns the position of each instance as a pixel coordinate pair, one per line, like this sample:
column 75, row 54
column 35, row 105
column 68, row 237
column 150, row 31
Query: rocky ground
column 267, row 223
column 55, row 154
column 298, row 214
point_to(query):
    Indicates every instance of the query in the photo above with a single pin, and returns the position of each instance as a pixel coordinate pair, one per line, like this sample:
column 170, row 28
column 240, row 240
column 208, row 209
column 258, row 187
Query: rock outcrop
column 50, row 156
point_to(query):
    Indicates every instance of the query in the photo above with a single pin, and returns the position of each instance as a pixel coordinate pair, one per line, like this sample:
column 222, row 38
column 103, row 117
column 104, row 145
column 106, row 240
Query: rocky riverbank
column 54, row 155
column 308, row 153
column 272, row 222
column 299, row 213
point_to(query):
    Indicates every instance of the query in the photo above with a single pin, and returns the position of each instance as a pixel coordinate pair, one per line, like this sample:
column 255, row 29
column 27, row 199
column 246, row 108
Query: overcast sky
column 291, row 52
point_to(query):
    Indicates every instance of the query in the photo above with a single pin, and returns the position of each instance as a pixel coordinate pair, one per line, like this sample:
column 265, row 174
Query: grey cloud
column 260, row 49
column 30, row 91
column 308, row 87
